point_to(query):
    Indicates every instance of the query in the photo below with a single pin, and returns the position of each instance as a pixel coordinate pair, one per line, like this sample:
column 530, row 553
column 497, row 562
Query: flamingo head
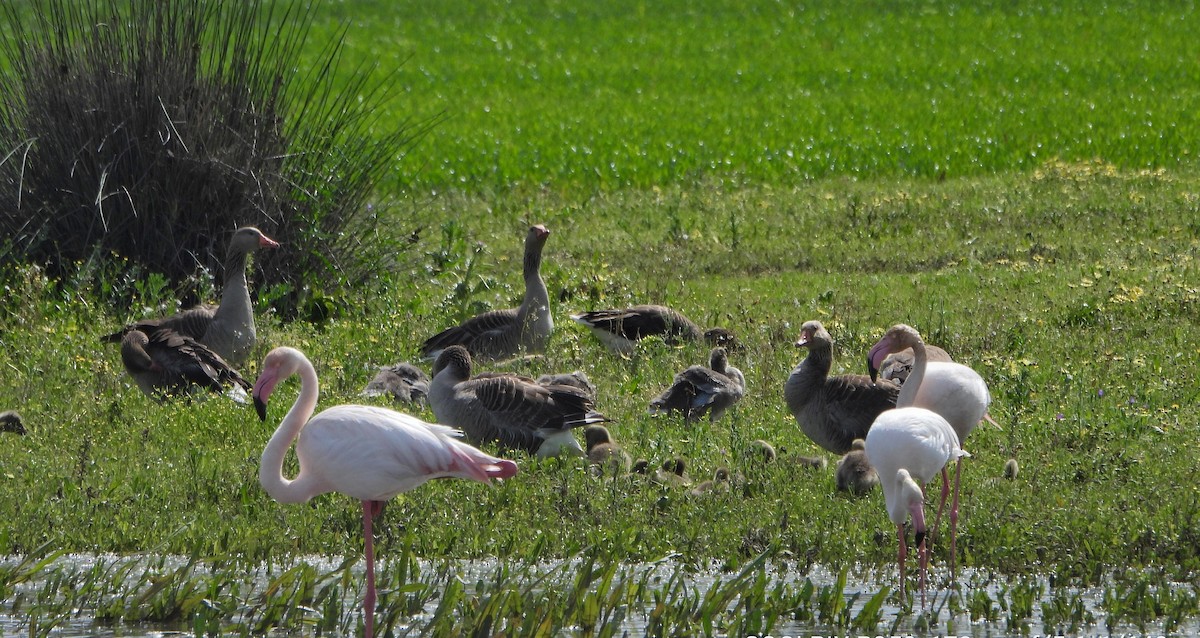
column 280, row 364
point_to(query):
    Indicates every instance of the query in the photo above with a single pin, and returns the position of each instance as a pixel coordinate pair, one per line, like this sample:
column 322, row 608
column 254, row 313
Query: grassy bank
column 862, row 167
column 1084, row 337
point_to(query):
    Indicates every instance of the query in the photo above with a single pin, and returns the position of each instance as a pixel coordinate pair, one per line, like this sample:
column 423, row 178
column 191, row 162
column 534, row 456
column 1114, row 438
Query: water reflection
column 999, row 607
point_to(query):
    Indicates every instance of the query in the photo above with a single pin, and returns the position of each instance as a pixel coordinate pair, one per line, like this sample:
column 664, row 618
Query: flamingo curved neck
column 908, row 392
column 270, row 469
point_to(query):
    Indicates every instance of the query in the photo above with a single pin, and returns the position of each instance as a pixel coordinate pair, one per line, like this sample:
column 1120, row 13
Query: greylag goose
column 370, row 454
column 511, row 410
column 673, row 473
column 404, row 382
column 832, row 411
column 620, row 329
column 720, row 482
column 953, row 391
column 701, row 390
column 907, row 447
column 164, row 362
column 227, row 329
column 500, row 334
column 854, row 473
column 897, row 365
column 576, row 378
column 604, row 452
column 10, row 421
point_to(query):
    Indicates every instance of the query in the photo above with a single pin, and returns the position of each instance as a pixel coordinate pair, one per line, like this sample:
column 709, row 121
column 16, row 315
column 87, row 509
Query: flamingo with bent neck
column 952, row 390
column 908, row 446
column 366, row 452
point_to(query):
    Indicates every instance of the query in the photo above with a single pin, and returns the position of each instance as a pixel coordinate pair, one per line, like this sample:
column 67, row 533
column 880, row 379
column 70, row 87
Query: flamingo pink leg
column 371, row 509
column 903, row 552
column 937, row 520
column 954, row 515
column 923, row 553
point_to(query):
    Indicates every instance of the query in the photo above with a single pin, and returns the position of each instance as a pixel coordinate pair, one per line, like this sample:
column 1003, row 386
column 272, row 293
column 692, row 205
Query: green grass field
column 1014, row 180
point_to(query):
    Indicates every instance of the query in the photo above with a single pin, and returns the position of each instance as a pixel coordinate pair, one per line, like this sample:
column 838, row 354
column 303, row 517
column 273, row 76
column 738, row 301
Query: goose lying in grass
column 620, row 329
column 514, row 411
column 164, row 362
column 228, row 328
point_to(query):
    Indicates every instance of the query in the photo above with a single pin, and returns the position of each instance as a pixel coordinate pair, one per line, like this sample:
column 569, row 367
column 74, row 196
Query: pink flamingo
column 365, row 452
column 952, row 390
column 908, row 447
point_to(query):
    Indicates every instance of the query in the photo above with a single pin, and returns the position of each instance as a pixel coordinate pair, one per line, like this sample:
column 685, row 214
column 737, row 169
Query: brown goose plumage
column 227, row 329
column 897, row 365
column 511, row 410
column 701, row 390
column 832, row 411
column 404, row 382
column 854, row 472
column 620, row 329
column 164, row 363
column 500, row 334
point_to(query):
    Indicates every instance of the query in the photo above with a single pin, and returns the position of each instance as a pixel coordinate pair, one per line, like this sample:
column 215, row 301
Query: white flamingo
column 952, row 390
column 908, row 447
column 369, row 453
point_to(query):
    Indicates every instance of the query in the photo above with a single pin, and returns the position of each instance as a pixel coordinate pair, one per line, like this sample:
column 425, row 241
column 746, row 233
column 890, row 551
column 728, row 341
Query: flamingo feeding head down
column 365, row 452
column 908, row 447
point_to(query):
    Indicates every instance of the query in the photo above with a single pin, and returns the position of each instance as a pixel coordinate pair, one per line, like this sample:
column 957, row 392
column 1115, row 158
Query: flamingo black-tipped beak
column 920, row 537
column 260, row 407
column 871, row 369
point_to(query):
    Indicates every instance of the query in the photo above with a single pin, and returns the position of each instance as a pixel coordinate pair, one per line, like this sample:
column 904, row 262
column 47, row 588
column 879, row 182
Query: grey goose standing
column 515, row 412
column 620, row 329
column 832, row 411
column 228, row 328
column 501, row 334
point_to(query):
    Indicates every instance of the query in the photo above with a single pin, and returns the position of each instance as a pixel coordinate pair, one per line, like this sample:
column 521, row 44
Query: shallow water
column 860, row 586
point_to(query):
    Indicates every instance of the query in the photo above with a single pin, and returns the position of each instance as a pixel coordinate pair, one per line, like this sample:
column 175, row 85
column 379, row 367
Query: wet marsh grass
column 1085, row 352
column 1069, row 283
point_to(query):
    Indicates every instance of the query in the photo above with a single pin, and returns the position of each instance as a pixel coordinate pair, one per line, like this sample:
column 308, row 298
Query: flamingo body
column 953, row 390
column 366, row 452
column 908, row 447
